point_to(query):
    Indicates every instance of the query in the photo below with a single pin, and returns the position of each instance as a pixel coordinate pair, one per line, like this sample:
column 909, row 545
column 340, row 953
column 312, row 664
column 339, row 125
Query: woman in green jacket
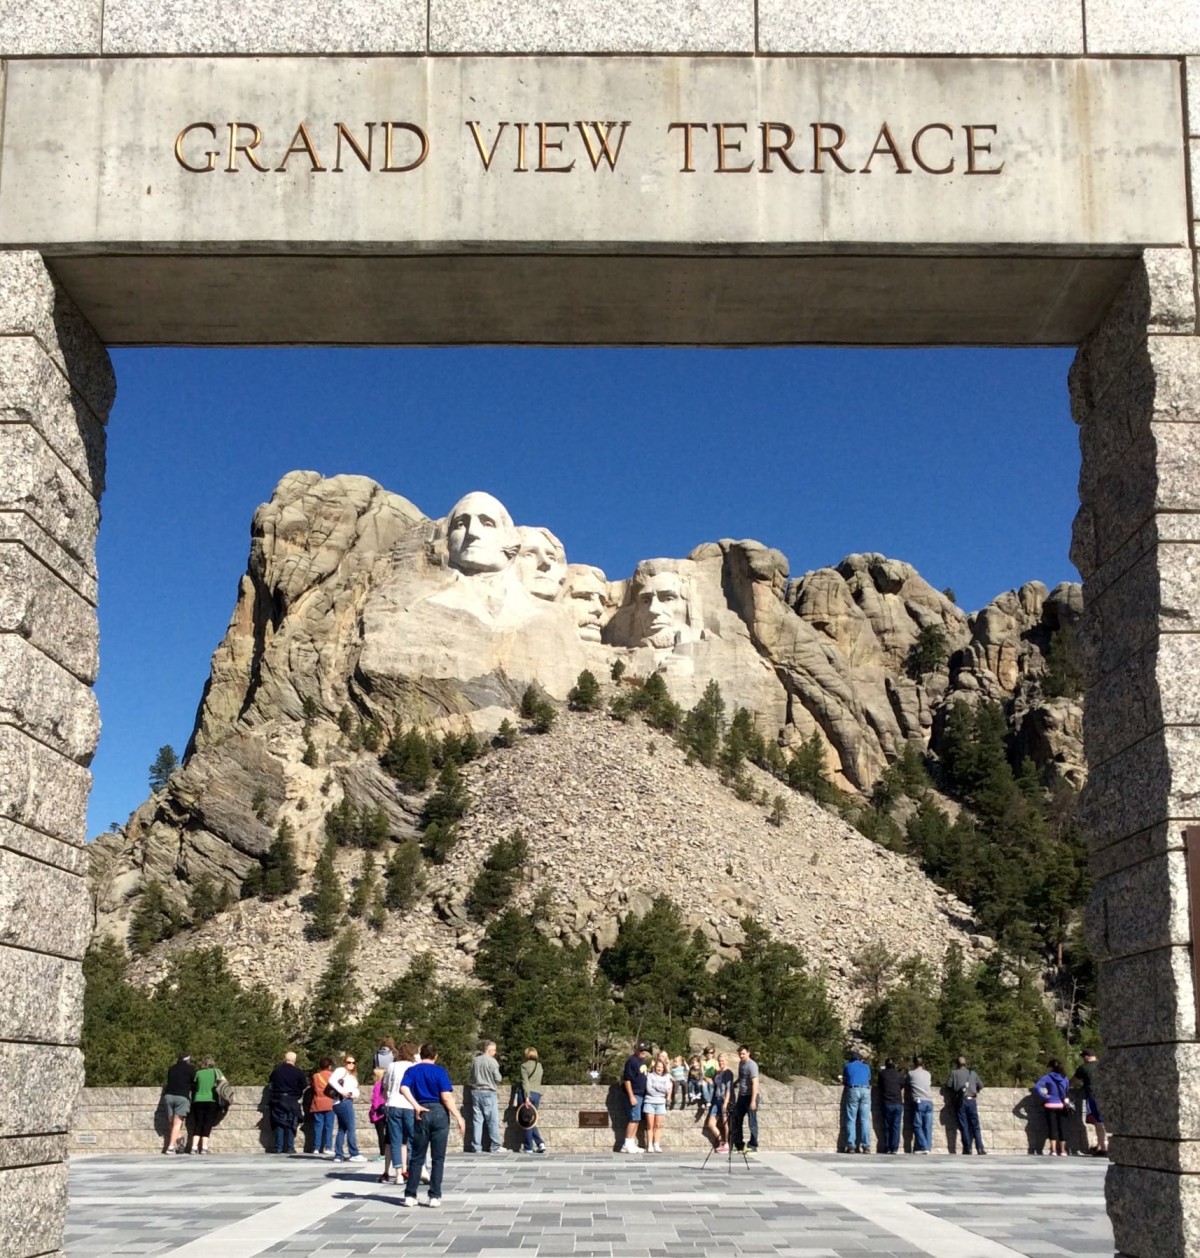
column 530, row 1089
column 205, row 1109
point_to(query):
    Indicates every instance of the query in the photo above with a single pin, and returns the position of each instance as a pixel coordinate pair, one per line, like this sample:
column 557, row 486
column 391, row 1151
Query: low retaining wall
column 804, row 1119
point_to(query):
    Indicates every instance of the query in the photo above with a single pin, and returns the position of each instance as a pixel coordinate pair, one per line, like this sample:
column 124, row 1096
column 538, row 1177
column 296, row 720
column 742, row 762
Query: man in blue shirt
column 856, row 1104
column 428, row 1087
column 634, row 1082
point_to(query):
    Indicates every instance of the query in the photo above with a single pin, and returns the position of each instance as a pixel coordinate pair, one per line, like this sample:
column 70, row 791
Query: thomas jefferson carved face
column 661, row 609
column 587, row 595
column 480, row 535
column 541, row 562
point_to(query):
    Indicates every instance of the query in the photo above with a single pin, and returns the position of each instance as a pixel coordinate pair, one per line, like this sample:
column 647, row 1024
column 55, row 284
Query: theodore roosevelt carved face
column 541, row 562
column 480, row 535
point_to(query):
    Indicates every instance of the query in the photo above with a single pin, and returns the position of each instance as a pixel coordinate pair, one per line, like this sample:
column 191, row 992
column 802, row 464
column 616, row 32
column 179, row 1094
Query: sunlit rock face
column 541, row 563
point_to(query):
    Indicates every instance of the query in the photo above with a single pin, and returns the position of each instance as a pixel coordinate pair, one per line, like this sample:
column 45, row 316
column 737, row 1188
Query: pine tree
column 506, row 735
column 336, row 991
column 207, row 900
column 704, row 725
column 165, row 763
column 404, row 877
column 153, row 920
column 364, row 890
column 584, row 696
column 280, row 873
column 497, row 879
column 806, row 770
column 326, row 900
column 928, row 653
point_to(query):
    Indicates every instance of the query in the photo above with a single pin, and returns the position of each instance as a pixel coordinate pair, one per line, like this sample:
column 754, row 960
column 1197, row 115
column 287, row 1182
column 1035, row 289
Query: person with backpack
column 322, row 1109
column 1054, row 1088
column 964, row 1087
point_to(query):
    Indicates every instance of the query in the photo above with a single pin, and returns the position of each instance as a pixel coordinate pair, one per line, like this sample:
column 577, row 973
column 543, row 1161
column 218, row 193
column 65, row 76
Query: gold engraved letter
column 780, row 150
column 486, row 155
column 736, row 145
column 520, row 166
column 884, row 143
column 916, row 149
column 301, row 143
column 248, row 149
column 210, row 154
column 545, row 145
column 389, row 129
column 343, row 133
column 819, row 149
column 687, row 168
column 610, row 155
column 973, row 148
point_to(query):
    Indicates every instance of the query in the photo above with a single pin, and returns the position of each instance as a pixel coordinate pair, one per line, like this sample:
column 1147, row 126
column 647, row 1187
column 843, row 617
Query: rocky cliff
column 358, row 610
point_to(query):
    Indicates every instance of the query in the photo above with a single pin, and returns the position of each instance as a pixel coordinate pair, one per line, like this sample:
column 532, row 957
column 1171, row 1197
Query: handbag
column 223, row 1091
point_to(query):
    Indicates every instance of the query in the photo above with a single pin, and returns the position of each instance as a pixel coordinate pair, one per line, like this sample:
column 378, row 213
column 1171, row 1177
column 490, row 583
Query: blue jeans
column 968, row 1126
column 531, row 1137
column 893, row 1122
column 343, row 1111
column 742, row 1111
column 400, row 1133
column 431, row 1134
column 285, row 1140
column 922, row 1121
column 485, row 1109
column 856, row 1111
column 322, row 1130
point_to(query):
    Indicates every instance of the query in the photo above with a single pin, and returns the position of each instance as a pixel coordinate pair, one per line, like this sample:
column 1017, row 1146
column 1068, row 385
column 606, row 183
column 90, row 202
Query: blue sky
column 962, row 462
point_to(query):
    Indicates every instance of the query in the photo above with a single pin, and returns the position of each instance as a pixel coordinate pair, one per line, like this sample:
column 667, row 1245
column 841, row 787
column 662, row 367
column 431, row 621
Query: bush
column 207, row 900
column 309, row 759
column 537, row 709
column 408, row 757
column 778, row 811
column 497, row 879
column 277, row 872
column 584, row 696
column 618, row 670
column 404, row 877
column 1064, row 672
column 154, row 919
column 506, row 735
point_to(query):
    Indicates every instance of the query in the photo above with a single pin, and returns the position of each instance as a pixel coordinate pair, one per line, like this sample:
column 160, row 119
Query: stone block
column 41, row 1084
column 64, row 28
column 41, row 789
column 43, row 699
column 41, row 997
column 37, row 606
column 33, row 304
column 36, row 482
column 22, row 531
column 44, row 848
column 1152, row 1091
column 1155, row 781
column 1192, row 71
column 620, row 26
column 1147, row 845
column 43, row 908
column 970, row 29
column 1155, row 1214
column 1148, row 998
column 1171, row 274
column 34, row 391
column 33, row 1208
column 1175, row 1156
column 32, row 1150
column 1140, row 908
column 201, row 27
column 1156, row 28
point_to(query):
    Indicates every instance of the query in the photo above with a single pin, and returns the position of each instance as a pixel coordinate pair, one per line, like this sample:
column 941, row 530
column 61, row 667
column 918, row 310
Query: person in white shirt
column 345, row 1083
column 399, row 1114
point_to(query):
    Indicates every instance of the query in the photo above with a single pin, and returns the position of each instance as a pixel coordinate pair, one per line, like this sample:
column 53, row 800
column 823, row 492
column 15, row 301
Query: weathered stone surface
column 34, row 481
column 1176, row 1156
column 1172, row 278
column 1152, row 1091
column 1146, row 845
column 32, row 304
column 1154, row 1214
column 1192, row 69
column 20, row 530
column 37, row 606
column 33, row 1108
column 206, row 27
column 70, row 28
column 840, row 26
column 34, row 391
column 525, row 26
column 40, row 696
column 42, row 907
column 1147, row 998
column 33, row 1208
column 1140, row 908
column 1160, row 27
column 40, row 788
column 32, row 1150
column 41, row 997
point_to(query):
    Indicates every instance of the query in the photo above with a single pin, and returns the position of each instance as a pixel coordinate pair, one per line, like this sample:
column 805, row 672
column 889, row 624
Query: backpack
column 223, row 1091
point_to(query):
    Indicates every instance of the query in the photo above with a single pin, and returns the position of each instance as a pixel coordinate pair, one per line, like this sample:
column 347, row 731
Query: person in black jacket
column 891, row 1097
column 177, row 1099
column 287, row 1084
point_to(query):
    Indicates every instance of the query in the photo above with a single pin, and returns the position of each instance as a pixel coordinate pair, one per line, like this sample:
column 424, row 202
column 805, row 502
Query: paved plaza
column 594, row 1206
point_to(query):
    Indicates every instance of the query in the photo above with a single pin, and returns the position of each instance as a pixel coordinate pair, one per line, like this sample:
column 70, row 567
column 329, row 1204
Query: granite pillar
column 56, row 388
column 1135, row 392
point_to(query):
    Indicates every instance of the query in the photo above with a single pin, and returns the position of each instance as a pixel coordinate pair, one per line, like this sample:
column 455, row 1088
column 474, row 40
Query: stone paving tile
column 591, row 1206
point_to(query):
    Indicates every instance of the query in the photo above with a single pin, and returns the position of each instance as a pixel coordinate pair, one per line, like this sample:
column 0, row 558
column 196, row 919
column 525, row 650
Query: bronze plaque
column 593, row 1118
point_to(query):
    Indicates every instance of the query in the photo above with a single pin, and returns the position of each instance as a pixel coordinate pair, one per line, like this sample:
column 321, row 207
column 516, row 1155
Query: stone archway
column 157, row 184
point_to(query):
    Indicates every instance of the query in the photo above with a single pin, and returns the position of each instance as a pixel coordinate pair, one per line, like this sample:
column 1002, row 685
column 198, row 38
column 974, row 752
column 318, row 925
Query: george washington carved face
column 480, row 535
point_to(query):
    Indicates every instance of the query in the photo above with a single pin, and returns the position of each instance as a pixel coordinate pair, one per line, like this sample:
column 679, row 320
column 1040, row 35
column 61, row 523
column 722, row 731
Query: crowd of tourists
column 909, row 1092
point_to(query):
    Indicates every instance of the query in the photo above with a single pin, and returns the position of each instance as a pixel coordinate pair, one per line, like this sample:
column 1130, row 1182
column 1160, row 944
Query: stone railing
column 802, row 1118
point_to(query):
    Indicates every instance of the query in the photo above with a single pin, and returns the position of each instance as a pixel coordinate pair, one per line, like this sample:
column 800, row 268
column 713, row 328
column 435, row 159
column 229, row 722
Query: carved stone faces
column 541, row 562
column 480, row 535
column 587, row 598
column 661, row 611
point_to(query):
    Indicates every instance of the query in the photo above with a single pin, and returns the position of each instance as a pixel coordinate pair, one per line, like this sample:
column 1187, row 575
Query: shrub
column 497, row 879
column 506, row 735
column 584, row 696
column 154, row 919
column 404, row 877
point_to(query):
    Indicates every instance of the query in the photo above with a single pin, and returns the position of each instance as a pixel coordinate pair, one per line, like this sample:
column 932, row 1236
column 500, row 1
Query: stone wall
column 127, row 1120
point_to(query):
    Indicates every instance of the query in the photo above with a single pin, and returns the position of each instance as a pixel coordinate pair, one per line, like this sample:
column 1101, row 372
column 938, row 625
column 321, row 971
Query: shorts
column 716, row 1110
column 176, row 1106
column 1093, row 1110
column 635, row 1109
column 656, row 1107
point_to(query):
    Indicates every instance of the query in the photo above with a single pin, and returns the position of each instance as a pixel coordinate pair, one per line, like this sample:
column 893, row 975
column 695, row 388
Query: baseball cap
column 643, row 1046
